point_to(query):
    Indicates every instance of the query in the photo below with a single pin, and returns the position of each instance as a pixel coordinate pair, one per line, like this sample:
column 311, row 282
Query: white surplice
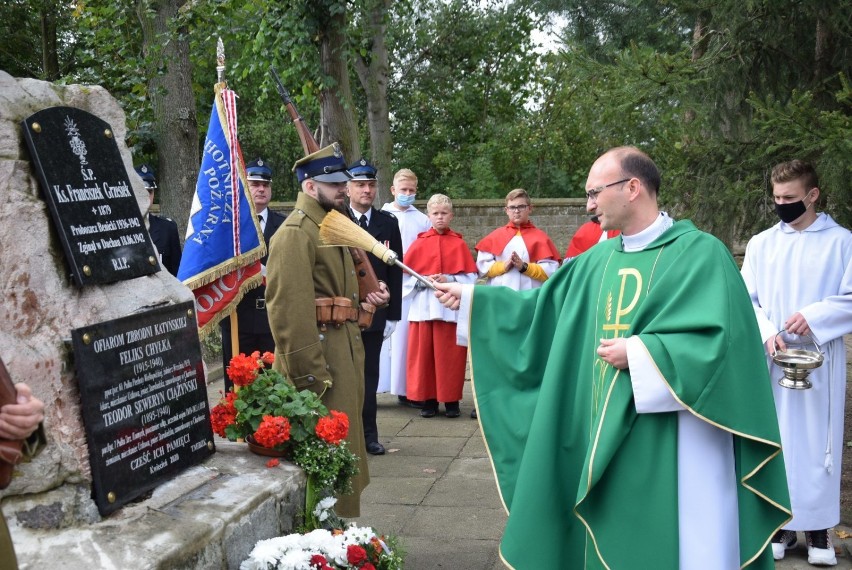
column 514, row 279
column 392, row 359
column 809, row 272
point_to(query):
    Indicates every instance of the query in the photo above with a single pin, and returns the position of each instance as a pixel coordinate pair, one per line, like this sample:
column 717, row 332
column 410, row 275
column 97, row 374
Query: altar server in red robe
column 436, row 364
column 517, row 255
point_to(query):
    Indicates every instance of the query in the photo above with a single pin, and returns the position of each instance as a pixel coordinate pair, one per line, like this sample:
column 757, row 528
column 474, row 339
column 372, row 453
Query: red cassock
column 436, row 364
column 586, row 237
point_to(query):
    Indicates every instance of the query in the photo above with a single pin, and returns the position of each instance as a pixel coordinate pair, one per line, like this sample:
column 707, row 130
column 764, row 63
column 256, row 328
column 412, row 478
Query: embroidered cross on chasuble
column 623, row 288
column 588, row 482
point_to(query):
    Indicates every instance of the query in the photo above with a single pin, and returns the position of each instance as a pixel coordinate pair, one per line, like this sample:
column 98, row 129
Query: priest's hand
column 449, row 294
column 614, row 351
column 797, row 324
column 18, row 421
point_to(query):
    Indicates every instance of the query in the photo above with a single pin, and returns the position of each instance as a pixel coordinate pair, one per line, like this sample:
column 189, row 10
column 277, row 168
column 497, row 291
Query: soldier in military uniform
column 384, row 227
column 164, row 231
column 252, row 320
column 324, row 357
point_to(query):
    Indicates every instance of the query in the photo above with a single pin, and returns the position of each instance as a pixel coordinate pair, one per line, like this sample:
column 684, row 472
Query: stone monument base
column 210, row 516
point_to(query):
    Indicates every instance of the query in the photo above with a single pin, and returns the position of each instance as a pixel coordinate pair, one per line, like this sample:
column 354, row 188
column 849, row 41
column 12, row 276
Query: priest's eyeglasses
column 595, row 192
column 518, row 208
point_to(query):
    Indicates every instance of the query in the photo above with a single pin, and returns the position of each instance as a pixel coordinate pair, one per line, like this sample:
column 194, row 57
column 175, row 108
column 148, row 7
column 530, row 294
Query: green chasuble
column 588, row 482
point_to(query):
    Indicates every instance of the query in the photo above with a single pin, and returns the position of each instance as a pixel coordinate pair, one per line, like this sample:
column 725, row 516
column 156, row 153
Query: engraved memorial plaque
column 144, row 401
column 88, row 193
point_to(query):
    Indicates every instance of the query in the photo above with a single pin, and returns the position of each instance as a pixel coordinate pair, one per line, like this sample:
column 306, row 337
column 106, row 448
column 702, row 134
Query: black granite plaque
column 88, row 192
column 144, row 401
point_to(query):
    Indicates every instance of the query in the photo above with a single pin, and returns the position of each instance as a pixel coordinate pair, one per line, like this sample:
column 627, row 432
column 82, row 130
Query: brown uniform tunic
column 299, row 271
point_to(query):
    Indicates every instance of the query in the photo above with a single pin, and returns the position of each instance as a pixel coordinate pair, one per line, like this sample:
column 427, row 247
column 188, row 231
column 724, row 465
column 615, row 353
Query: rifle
column 367, row 280
column 309, row 143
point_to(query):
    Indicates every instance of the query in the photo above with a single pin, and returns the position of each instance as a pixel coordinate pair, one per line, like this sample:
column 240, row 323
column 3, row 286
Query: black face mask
column 791, row 212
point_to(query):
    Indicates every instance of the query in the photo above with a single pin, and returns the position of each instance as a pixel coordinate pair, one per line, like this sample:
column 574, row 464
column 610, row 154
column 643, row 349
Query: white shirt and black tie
column 362, row 219
column 261, row 217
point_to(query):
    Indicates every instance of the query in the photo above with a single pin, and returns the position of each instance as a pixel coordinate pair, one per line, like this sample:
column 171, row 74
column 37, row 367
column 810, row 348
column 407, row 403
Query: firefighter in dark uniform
column 252, row 320
column 383, row 226
column 164, row 231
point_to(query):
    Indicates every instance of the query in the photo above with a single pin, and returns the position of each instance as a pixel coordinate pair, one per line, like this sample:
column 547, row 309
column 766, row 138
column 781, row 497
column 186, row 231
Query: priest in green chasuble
column 625, row 404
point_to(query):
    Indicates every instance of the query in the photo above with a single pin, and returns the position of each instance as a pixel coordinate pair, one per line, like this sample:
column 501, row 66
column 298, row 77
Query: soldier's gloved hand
column 390, row 326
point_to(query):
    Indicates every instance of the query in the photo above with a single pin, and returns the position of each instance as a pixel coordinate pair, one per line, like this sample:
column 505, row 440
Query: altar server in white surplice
column 799, row 276
column 411, row 222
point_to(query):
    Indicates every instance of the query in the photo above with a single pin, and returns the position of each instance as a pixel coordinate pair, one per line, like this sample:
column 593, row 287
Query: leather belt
column 336, row 311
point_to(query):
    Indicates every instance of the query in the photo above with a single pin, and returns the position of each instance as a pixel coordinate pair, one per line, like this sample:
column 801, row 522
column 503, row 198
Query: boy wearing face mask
column 799, row 276
column 411, row 222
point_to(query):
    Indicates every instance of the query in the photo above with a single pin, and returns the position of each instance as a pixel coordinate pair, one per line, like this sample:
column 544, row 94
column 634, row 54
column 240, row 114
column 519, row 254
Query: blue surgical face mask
column 405, row 199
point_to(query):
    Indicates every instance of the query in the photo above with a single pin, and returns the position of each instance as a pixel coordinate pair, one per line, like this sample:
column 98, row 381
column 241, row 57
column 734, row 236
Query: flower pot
column 258, row 449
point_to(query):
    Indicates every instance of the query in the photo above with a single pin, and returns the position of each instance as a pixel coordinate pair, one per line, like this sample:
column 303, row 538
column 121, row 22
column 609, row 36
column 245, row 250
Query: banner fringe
column 247, row 285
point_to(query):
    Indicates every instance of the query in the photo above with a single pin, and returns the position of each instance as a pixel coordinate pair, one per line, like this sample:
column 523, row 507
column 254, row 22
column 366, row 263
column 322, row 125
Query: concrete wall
column 474, row 219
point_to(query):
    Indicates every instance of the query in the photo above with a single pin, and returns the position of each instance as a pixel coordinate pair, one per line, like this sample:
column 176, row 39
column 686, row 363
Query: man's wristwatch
column 524, row 267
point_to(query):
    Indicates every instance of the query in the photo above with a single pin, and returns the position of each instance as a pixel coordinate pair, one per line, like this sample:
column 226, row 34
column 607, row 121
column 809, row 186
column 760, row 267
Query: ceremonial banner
column 223, row 239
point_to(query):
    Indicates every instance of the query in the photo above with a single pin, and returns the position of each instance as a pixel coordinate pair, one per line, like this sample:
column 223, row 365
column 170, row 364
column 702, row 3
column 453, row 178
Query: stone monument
column 184, row 523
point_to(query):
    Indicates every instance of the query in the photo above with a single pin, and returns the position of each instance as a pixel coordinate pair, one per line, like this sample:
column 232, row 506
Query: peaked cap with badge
column 258, row 170
column 362, row 170
column 324, row 165
column 146, row 173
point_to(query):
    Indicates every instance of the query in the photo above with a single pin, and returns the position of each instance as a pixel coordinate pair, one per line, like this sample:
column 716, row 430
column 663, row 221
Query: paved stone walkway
column 435, row 490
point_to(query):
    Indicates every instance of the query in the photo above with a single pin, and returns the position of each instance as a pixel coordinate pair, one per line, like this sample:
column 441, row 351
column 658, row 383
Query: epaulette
column 386, row 213
column 295, row 218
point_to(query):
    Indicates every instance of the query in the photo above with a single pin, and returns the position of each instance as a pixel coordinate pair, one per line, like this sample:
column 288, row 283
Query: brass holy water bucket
column 797, row 364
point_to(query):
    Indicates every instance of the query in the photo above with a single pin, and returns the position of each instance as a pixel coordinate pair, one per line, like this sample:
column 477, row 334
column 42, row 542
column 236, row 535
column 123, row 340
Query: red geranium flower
column 355, row 554
column 243, row 369
column 334, row 427
column 318, row 560
column 267, row 358
column 368, row 566
column 272, row 463
column 272, row 431
column 223, row 414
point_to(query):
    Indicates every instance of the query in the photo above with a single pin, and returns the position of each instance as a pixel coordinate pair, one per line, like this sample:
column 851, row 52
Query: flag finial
column 220, row 61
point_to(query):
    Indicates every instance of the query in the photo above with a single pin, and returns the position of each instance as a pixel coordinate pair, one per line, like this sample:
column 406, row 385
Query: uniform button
column 322, row 337
column 357, row 337
column 311, row 379
column 328, row 366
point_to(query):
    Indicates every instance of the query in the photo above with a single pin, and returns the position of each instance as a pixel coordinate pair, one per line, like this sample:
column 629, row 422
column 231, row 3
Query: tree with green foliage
column 175, row 124
column 717, row 93
column 457, row 90
column 463, row 73
column 371, row 63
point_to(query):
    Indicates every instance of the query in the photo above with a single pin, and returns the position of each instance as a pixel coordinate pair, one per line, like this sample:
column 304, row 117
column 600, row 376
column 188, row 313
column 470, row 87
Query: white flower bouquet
column 351, row 548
